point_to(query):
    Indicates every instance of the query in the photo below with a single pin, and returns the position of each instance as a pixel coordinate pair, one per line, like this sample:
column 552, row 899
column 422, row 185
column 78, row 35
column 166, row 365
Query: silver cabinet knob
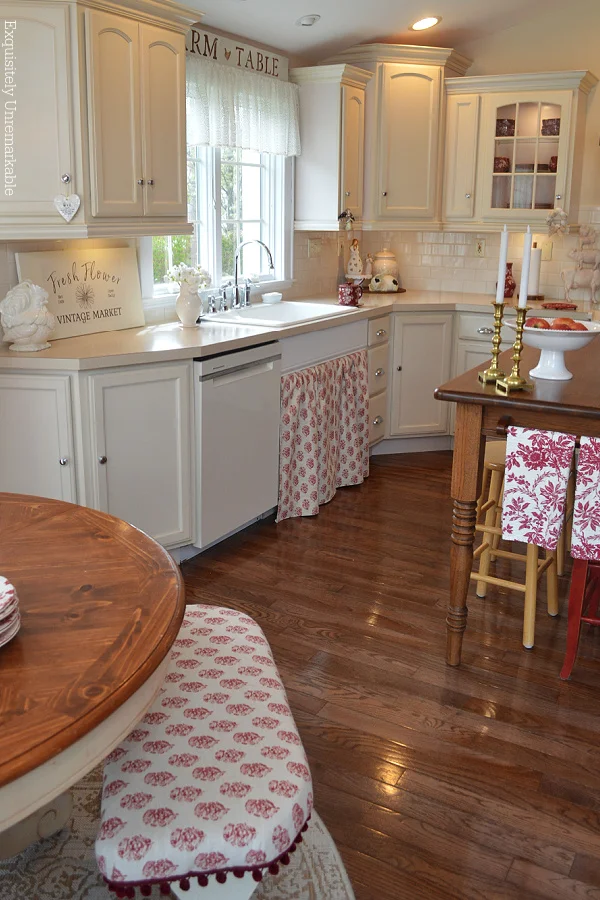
column 66, row 178
column 468, row 196
column 384, row 193
column 379, row 372
column 381, row 333
column 347, row 193
column 378, row 420
column 63, row 461
column 398, row 368
column 141, row 181
column 102, row 460
column 151, row 181
column 559, row 196
column 485, row 331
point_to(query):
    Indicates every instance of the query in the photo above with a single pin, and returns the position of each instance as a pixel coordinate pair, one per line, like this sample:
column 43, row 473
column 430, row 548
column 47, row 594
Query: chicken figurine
column 25, row 319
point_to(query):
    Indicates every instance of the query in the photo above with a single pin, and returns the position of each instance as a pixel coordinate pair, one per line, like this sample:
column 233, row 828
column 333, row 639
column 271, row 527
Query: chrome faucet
column 244, row 299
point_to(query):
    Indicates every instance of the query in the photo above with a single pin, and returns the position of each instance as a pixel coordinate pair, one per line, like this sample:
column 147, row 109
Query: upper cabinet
column 330, row 169
column 104, row 84
column 403, row 139
column 514, row 147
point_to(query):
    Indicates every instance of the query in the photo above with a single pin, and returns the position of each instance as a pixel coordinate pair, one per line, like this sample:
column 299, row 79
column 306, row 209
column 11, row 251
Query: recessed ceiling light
column 428, row 22
column 307, row 21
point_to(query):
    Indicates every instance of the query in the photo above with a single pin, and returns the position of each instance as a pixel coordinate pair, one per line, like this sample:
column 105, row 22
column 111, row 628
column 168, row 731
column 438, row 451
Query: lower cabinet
column 141, row 446
column 421, row 362
column 379, row 364
column 36, row 445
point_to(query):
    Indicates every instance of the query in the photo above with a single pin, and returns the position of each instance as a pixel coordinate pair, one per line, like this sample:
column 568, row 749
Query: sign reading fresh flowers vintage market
column 88, row 290
column 231, row 52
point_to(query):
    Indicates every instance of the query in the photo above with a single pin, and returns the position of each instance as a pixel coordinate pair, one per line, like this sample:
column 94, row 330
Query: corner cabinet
column 330, row 169
column 105, row 85
column 514, row 147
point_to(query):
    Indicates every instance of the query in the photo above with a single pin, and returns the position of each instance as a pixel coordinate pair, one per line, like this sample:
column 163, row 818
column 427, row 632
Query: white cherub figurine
column 25, row 319
column 355, row 263
column 368, row 273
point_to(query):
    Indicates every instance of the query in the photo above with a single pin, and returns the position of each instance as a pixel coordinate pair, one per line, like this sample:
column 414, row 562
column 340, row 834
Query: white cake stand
column 553, row 345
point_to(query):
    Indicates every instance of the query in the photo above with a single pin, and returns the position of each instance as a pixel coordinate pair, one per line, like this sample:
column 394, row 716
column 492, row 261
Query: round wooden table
column 101, row 604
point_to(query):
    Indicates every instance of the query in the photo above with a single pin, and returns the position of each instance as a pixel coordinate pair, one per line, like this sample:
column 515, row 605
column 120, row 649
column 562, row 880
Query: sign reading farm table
column 231, row 52
column 88, row 290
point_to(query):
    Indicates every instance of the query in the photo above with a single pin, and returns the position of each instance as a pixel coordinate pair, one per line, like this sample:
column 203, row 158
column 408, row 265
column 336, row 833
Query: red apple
column 534, row 322
column 578, row 326
column 563, row 324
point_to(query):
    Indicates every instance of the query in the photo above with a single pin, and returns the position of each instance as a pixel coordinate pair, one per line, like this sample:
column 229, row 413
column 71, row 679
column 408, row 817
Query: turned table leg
column 467, row 467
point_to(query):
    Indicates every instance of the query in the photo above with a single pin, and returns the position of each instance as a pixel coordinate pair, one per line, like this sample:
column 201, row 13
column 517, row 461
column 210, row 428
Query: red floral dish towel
column 585, row 542
column 535, row 488
column 324, row 437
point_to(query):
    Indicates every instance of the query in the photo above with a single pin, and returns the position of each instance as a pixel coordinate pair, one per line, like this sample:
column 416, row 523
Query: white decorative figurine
column 355, row 263
column 368, row 273
column 25, row 319
column 588, row 279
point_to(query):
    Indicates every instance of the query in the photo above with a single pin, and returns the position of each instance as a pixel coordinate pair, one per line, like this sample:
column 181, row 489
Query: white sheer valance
column 231, row 108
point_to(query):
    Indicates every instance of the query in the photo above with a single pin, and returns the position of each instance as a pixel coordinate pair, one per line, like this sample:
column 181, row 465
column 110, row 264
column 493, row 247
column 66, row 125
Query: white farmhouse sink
column 279, row 315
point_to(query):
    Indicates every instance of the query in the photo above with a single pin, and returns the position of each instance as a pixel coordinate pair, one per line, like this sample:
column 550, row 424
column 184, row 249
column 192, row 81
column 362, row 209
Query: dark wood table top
column 101, row 605
column 578, row 397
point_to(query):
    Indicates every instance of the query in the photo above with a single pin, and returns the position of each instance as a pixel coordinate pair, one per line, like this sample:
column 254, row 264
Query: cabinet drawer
column 377, row 417
column 379, row 331
column 378, row 369
column 480, row 327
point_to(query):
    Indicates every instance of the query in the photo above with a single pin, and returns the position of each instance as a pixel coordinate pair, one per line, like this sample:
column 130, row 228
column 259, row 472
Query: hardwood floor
column 478, row 783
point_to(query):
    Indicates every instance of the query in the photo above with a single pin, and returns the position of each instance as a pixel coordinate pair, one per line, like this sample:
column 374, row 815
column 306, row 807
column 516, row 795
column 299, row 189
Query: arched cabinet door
column 114, row 115
column 409, row 113
column 353, row 144
column 164, row 148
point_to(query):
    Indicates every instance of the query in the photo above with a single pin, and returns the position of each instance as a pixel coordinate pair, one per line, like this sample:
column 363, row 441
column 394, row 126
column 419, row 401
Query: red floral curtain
column 324, row 437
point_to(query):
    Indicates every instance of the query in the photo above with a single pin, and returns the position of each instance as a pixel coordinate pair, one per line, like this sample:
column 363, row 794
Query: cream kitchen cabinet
column 37, row 446
column 514, row 147
column 140, row 448
column 106, row 89
column 330, row 169
column 422, row 352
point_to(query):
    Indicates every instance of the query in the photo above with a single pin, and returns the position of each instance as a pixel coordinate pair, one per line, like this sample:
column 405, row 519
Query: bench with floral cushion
column 214, row 780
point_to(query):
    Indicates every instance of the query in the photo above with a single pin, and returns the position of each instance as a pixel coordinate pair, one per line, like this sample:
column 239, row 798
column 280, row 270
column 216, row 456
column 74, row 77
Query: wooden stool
column 490, row 508
column 585, row 589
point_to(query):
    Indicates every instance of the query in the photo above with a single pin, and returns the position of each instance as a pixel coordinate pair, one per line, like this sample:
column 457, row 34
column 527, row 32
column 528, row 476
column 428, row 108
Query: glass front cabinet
column 528, row 131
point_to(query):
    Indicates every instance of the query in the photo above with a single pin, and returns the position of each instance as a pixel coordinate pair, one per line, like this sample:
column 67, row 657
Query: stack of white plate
column 10, row 620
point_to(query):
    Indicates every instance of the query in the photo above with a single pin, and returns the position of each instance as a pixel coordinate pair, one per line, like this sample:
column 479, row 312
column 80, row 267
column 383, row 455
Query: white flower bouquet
column 195, row 276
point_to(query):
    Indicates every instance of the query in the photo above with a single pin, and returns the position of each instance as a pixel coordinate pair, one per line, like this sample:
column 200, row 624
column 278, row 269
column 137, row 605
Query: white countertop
column 168, row 342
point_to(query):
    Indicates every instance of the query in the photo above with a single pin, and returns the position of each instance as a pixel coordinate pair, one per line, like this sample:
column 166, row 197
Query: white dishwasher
column 236, row 398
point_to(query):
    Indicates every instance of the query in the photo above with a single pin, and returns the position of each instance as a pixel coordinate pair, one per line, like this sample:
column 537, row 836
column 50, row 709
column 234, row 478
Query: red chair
column 585, row 591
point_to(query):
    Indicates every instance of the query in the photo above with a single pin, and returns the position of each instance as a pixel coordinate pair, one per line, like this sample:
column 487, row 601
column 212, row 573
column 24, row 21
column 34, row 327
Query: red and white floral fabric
column 324, row 437
column 535, row 487
column 214, row 778
column 585, row 539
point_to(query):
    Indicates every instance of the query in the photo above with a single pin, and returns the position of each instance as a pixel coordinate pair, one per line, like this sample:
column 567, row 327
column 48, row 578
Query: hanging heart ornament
column 67, row 205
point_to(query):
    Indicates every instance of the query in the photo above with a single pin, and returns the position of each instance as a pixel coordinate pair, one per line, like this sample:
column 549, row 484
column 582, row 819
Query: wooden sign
column 88, row 290
column 231, row 52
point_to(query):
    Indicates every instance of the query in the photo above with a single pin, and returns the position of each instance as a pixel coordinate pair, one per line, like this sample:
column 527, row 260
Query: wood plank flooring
column 478, row 783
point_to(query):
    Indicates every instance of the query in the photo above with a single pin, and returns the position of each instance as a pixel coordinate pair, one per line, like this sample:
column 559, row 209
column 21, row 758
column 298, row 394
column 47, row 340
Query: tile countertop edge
column 170, row 342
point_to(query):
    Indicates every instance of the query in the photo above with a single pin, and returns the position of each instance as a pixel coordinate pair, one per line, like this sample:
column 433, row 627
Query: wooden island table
column 568, row 406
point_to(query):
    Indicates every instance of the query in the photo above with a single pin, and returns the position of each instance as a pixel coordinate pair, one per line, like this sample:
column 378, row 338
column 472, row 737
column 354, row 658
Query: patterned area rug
column 63, row 867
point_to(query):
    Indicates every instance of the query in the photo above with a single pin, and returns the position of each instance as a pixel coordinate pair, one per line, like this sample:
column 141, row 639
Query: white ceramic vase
column 188, row 305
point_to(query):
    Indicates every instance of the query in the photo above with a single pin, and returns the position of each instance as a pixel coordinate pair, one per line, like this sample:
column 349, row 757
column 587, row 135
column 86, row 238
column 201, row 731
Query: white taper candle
column 502, row 266
column 523, row 288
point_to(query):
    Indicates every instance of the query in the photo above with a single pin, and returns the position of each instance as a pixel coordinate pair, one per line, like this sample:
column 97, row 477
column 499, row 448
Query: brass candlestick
column 494, row 372
column 514, row 381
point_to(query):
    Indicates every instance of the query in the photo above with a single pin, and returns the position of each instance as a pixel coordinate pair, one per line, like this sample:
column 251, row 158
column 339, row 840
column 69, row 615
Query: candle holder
column 494, row 372
column 514, row 381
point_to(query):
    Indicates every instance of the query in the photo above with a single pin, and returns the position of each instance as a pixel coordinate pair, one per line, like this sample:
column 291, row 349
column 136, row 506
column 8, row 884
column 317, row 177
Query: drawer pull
column 398, row 368
column 381, row 333
column 63, row 461
column 378, row 420
column 485, row 330
column 379, row 372
column 102, row 460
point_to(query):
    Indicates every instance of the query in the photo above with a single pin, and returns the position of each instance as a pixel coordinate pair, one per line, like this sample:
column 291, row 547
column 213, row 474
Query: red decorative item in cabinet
column 509, row 282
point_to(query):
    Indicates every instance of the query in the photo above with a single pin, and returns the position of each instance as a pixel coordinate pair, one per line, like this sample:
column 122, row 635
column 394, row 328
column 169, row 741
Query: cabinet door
column 141, row 441
column 353, row 143
column 525, row 155
column 36, row 449
column 36, row 109
column 409, row 139
column 462, row 125
column 113, row 66
column 163, row 112
column 421, row 363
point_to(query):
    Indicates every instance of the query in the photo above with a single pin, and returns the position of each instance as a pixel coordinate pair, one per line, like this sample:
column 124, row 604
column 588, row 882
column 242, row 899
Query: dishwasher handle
column 240, row 373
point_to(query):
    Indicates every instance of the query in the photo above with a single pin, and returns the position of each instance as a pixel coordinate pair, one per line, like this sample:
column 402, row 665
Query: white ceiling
column 347, row 22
